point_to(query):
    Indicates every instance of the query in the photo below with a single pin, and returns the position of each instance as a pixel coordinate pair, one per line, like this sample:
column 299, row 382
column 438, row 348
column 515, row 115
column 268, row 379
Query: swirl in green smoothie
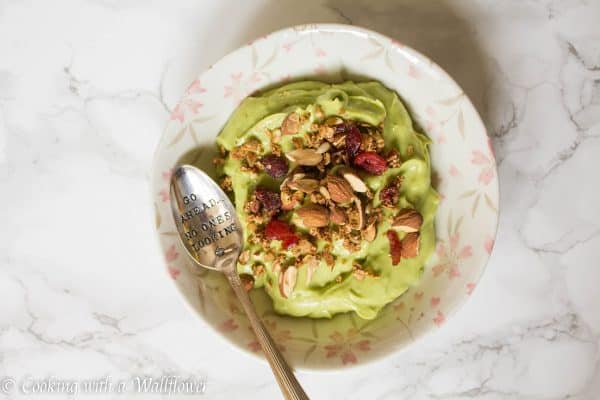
column 366, row 275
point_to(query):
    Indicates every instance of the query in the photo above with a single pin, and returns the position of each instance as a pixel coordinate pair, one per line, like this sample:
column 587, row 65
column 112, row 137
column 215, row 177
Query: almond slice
column 408, row 220
column 323, row 190
column 410, row 245
column 311, row 267
column 369, row 233
column 355, row 182
column 304, row 185
column 287, row 281
column 357, row 221
column 298, row 175
column 307, row 157
column 323, row 148
column 291, row 124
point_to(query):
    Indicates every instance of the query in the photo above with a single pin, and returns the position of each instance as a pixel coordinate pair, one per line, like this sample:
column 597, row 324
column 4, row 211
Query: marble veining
column 85, row 91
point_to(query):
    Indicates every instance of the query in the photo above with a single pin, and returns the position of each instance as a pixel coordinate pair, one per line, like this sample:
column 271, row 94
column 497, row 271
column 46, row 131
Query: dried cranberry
column 279, row 230
column 275, row 166
column 353, row 142
column 389, row 195
column 395, row 246
column 371, row 162
column 270, row 201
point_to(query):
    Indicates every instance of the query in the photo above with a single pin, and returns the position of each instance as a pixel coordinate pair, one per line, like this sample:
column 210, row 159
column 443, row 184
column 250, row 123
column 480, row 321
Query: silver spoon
column 212, row 235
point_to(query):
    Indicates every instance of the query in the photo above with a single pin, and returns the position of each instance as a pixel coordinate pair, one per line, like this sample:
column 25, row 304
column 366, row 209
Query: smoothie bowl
column 364, row 182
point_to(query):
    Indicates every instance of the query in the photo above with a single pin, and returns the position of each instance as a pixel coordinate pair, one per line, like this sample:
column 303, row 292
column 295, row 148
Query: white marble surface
column 85, row 89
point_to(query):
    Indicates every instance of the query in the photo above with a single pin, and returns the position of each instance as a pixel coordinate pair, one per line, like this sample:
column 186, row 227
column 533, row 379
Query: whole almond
column 287, row 281
column 308, row 157
column 291, row 124
column 338, row 216
column 355, row 182
column 313, row 215
column 408, row 220
column 339, row 189
column 410, row 245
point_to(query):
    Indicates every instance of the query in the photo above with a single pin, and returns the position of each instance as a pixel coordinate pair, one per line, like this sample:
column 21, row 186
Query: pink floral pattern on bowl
column 465, row 175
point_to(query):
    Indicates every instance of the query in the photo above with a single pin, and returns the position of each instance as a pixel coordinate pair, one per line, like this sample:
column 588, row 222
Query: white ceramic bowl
column 463, row 163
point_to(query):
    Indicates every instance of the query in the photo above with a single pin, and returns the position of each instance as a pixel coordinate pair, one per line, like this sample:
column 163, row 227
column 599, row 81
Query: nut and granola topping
column 331, row 201
column 323, row 196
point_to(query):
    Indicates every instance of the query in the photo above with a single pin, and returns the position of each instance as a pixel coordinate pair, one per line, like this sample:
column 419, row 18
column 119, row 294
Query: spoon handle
column 285, row 376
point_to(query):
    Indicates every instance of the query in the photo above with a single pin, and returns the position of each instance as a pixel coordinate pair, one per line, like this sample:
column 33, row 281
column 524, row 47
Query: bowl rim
column 451, row 310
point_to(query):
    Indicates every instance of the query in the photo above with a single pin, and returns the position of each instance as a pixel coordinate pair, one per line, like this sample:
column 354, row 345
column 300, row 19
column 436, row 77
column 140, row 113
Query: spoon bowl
column 205, row 218
column 212, row 236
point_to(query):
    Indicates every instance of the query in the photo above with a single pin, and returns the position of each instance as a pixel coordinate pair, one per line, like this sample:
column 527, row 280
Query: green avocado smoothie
column 332, row 185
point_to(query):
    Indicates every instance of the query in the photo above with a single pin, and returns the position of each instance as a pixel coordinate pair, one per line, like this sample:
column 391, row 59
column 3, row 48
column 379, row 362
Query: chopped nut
column 291, row 124
column 355, row 182
column 408, row 220
column 323, row 190
column 307, row 157
column 323, row 147
column 339, row 189
column 304, row 185
column 369, row 233
column 298, row 175
column 410, row 245
column 337, row 216
column 244, row 257
column 356, row 218
column 275, row 135
column 287, row 281
column 311, row 263
column 313, row 215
